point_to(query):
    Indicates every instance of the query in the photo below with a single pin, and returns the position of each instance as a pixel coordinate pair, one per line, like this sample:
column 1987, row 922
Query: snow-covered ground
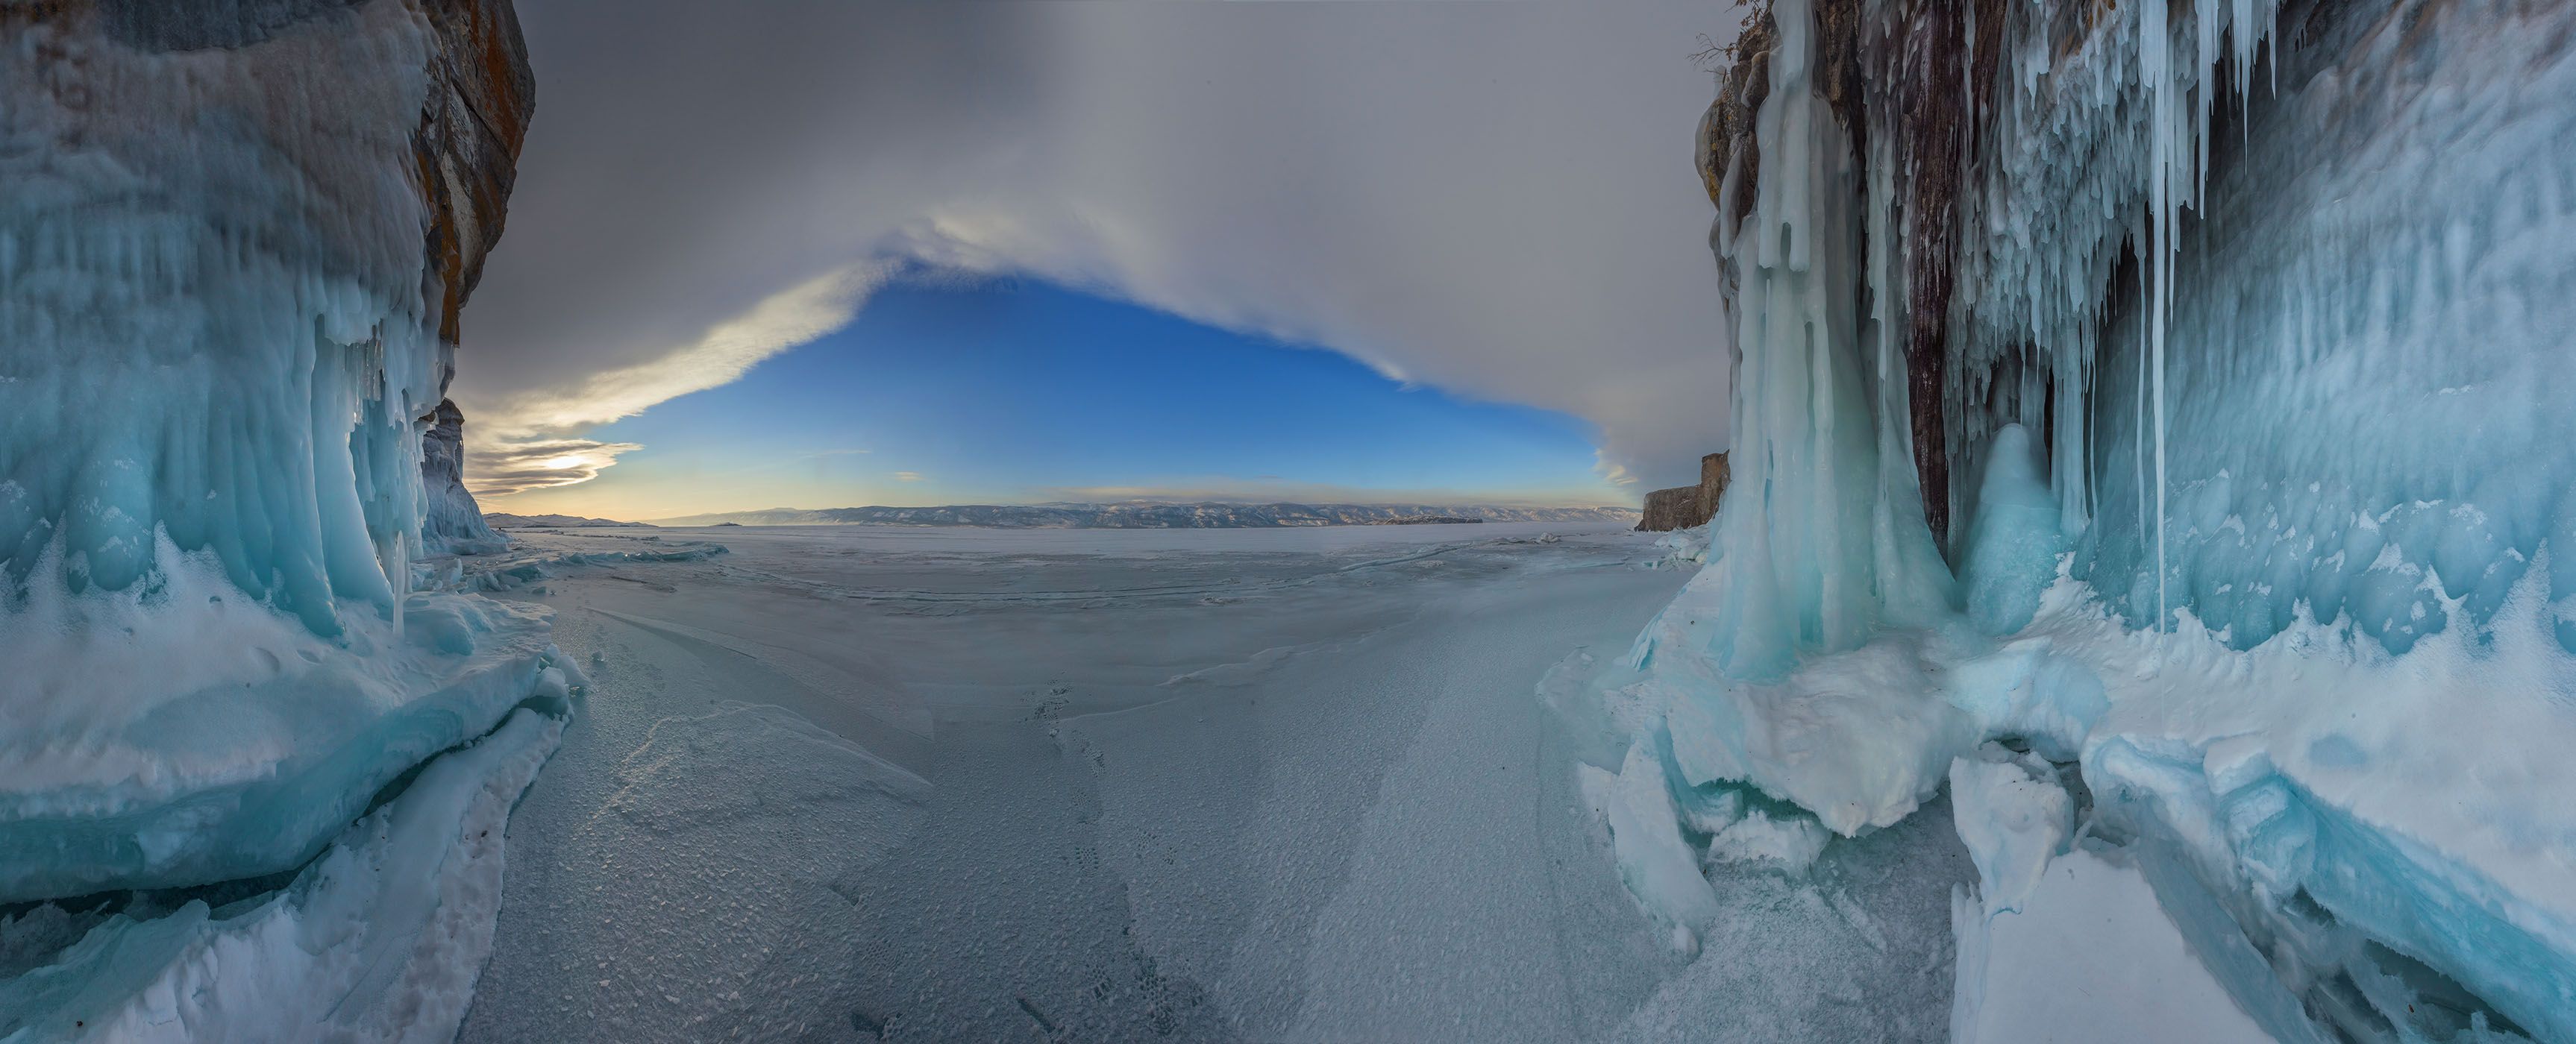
column 859, row 783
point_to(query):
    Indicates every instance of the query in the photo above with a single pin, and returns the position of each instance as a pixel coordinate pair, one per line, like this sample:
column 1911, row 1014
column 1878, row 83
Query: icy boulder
column 228, row 742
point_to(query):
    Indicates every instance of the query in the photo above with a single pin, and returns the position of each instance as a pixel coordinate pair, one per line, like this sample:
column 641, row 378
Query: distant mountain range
column 1147, row 515
column 506, row 520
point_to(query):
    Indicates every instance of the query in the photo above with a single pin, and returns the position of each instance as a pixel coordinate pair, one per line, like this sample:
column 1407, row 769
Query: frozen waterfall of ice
column 218, row 337
column 2261, row 566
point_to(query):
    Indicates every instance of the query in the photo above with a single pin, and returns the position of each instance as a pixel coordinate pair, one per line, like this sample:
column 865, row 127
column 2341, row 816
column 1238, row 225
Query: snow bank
column 512, row 570
column 147, row 748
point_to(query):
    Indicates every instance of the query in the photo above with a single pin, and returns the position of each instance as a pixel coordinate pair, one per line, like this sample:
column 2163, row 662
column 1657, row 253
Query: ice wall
column 233, row 244
column 2240, row 381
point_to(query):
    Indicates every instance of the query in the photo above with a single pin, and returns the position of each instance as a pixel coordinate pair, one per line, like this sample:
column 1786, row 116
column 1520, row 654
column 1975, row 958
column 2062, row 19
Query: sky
column 1467, row 236
column 950, row 389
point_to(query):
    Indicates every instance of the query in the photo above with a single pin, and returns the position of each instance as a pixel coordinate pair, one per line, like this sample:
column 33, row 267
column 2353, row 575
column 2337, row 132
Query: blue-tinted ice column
column 1823, row 536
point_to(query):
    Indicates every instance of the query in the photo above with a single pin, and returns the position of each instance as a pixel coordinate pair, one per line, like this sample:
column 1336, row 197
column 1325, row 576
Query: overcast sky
column 1491, row 199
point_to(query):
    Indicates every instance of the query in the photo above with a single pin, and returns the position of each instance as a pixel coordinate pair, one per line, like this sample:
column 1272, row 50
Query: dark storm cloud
column 1491, row 198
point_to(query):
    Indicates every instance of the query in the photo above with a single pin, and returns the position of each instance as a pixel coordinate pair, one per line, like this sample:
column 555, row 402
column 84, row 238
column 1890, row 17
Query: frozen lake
column 914, row 784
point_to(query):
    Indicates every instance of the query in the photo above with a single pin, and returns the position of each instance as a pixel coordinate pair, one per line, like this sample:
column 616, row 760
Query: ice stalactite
column 1825, row 540
column 2261, row 451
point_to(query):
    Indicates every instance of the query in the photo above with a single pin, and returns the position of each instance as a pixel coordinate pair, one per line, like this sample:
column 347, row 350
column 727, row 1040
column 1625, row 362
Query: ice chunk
column 1659, row 867
column 1858, row 739
column 2024, row 691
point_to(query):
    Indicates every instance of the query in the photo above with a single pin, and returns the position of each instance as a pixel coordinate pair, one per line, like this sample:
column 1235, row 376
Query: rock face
column 481, row 98
column 1682, row 507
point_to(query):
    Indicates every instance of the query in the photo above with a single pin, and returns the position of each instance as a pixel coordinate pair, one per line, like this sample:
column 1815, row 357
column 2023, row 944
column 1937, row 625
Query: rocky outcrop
column 482, row 96
column 453, row 524
column 1682, row 507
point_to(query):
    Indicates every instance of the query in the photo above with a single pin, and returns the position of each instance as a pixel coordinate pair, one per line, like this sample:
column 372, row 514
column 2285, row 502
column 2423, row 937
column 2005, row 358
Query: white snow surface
column 2088, row 955
column 931, row 784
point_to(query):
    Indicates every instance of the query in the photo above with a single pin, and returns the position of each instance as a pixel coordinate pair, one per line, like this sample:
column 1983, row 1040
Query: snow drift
column 2238, row 318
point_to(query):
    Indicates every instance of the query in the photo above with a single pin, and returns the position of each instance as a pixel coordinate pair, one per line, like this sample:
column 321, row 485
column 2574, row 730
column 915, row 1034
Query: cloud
column 778, row 322
column 1611, row 471
column 524, row 438
column 907, row 476
column 496, row 467
column 1223, row 490
column 1496, row 200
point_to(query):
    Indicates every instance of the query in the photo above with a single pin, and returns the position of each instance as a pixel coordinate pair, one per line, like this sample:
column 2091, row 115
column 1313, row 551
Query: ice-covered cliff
column 2171, row 392
column 233, row 248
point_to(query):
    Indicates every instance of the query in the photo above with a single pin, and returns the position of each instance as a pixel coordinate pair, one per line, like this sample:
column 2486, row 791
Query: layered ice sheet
column 381, row 938
column 151, row 748
column 2252, row 379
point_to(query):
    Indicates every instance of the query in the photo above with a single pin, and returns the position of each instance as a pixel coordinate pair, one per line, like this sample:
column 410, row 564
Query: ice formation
column 232, row 249
column 2244, row 348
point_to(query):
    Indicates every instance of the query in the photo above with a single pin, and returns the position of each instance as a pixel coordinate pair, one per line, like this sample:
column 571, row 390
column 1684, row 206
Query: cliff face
column 467, row 150
column 1682, row 507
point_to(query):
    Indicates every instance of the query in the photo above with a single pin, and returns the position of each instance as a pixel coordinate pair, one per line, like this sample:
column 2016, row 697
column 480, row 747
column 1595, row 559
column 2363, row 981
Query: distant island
column 506, row 520
column 1156, row 515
